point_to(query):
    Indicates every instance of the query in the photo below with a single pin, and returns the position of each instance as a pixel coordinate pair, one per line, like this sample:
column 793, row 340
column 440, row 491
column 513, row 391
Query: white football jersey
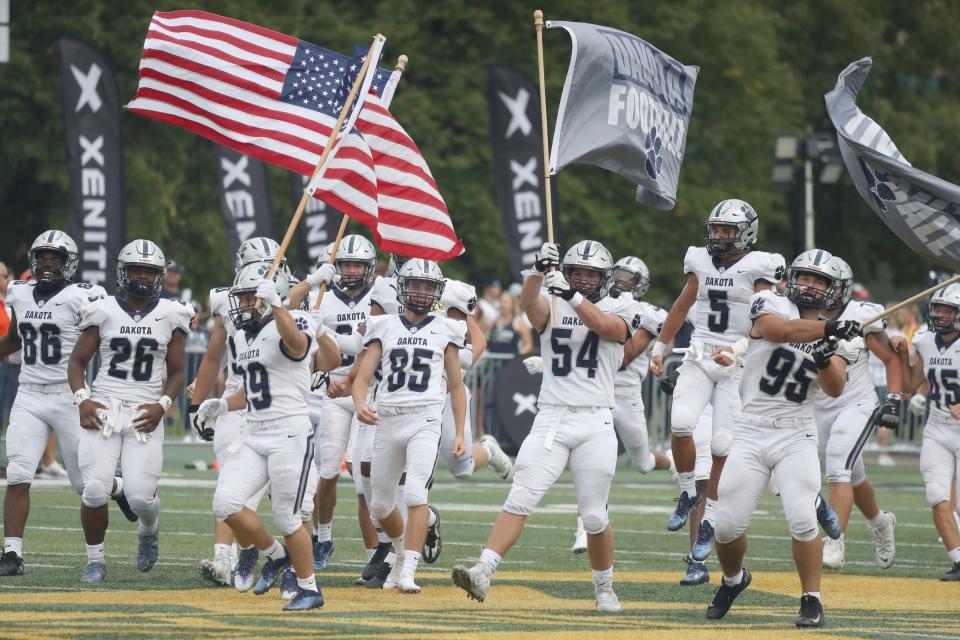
column 859, row 385
column 386, row 293
column 412, row 363
column 220, row 306
column 276, row 384
column 344, row 315
column 941, row 364
column 578, row 365
column 651, row 319
column 133, row 345
column 722, row 314
column 48, row 325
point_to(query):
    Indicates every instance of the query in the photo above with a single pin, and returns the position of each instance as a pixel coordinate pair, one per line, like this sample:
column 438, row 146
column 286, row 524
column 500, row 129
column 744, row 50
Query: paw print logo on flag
column 652, row 146
column 877, row 183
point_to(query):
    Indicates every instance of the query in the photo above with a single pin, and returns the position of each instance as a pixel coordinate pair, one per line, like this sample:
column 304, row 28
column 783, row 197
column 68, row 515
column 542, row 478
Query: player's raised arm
column 536, row 306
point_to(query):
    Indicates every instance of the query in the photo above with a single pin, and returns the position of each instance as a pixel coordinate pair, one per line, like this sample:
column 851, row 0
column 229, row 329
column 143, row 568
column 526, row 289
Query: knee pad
column 381, row 506
column 840, row 475
column 595, row 522
column 727, row 530
column 286, row 519
column 640, row 462
column 414, row 495
column 858, row 474
column 721, row 443
column 225, row 505
column 19, row 471
column 802, row 520
column 96, row 494
column 520, row 501
column 683, row 422
column 140, row 504
column 329, row 462
column 937, row 492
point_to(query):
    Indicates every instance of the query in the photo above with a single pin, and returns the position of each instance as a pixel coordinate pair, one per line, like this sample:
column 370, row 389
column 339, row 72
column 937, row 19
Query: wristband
column 531, row 273
column 165, row 402
column 80, row 395
column 659, row 348
column 576, row 300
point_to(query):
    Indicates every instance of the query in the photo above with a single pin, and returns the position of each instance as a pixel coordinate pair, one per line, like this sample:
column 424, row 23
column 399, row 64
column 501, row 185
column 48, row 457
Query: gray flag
column 625, row 107
column 923, row 210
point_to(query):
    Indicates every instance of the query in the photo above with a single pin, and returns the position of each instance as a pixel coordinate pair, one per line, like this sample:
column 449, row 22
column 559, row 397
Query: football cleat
column 433, row 544
column 11, row 564
column 373, row 565
column 380, row 577
column 393, row 578
column 304, row 600
column 701, row 548
column 953, row 575
column 834, row 552
column 288, row 584
column 499, row 461
column 95, row 572
column 579, row 538
column 811, row 612
column 270, row 572
column 724, row 596
column 215, row 571
column 685, row 505
column 246, row 564
column 125, row 508
column 884, row 541
column 473, row 580
column 607, row 600
column 321, row 553
column 148, row 549
column 54, row 470
column 697, row 573
column 827, row 518
column 406, row 584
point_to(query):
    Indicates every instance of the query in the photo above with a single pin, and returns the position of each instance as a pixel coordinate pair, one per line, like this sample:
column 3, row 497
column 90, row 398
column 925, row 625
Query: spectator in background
column 510, row 334
column 489, row 305
column 8, row 373
column 908, row 320
column 171, row 281
column 195, row 346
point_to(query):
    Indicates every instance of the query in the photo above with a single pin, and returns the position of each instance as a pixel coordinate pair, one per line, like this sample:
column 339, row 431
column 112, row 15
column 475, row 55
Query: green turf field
column 541, row 587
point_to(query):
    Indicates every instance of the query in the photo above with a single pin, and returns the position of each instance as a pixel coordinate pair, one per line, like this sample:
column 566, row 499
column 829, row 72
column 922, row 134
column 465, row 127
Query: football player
column 937, row 363
column 44, row 317
column 275, row 349
column 846, row 422
column 419, row 357
column 140, row 339
column 583, row 344
column 721, row 278
column 791, row 354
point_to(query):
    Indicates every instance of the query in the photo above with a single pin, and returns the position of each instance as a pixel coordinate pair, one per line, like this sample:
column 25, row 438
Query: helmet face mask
column 140, row 269
column 244, row 312
column 810, row 289
column 630, row 274
column 944, row 317
column 590, row 283
column 53, row 259
column 844, row 287
column 732, row 227
column 588, row 268
column 420, row 284
column 243, row 309
column 356, row 262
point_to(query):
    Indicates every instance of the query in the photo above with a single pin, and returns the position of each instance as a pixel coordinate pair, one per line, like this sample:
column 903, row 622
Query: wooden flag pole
column 354, row 90
column 912, row 299
column 538, row 25
column 401, row 67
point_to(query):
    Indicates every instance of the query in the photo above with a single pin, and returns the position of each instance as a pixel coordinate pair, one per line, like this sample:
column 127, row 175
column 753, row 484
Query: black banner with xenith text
column 96, row 215
column 318, row 226
column 244, row 196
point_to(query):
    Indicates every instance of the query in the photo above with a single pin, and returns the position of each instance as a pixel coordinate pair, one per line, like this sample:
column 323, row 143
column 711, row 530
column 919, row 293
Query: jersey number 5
column 719, row 318
column 562, row 353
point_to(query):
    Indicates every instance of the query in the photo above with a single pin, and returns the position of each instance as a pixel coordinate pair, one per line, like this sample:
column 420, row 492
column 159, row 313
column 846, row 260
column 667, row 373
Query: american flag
column 276, row 98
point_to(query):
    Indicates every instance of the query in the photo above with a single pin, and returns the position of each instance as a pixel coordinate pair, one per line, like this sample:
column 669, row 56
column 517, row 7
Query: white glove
column 318, row 379
column 325, row 274
column 693, row 352
column 460, row 296
column 534, row 365
column 918, row 404
column 106, row 429
column 140, row 435
column 267, row 292
column 211, row 409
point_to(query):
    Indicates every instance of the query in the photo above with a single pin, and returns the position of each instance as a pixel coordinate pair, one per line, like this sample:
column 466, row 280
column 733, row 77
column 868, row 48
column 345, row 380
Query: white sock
column 150, row 519
column 410, row 561
column 490, row 560
column 710, row 513
column 954, row 555
column 879, row 521
column 325, row 532
column 275, row 551
column 247, row 548
column 579, row 524
column 13, row 544
column 401, row 504
column 119, row 482
column 431, row 517
column 370, row 553
column 398, row 544
column 391, row 558
column 308, row 584
column 735, row 580
column 599, row 576
column 382, row 537
column 687, row 482
column 815, row 594
column 95, row 553
column 221, row 551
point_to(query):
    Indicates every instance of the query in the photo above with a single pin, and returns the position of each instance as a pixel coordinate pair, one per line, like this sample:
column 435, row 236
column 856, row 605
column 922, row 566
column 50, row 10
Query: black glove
column 842, row 329
column 668, row 384
column 205, row 433
column 548, row 258
column 888, row 416
column 822, row 351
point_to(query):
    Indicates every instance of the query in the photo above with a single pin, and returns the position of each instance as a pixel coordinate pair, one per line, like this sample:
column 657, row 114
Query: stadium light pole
column 4, row 31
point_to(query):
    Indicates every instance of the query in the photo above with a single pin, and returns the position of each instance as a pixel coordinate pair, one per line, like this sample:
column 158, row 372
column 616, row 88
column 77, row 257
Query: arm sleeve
column 769, row 303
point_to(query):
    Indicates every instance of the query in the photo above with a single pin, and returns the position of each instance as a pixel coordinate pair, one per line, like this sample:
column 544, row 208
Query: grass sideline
column 541, row 588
